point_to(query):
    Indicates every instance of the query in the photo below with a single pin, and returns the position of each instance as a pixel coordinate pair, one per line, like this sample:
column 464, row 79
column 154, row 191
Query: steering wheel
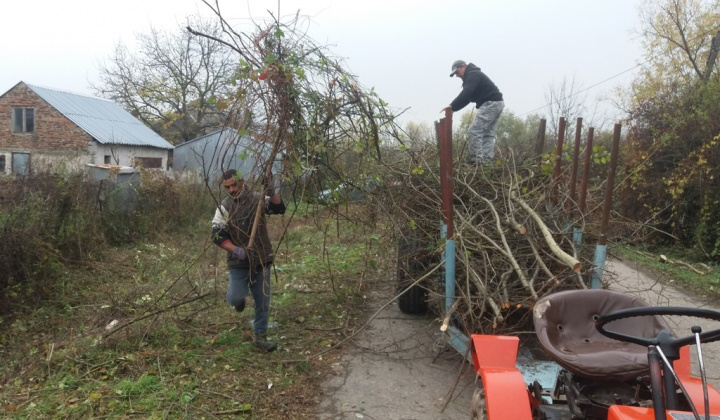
column 664, row 339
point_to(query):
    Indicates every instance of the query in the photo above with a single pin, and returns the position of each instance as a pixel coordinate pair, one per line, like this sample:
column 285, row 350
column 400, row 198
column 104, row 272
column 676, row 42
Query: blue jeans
column 481, row 133
column 257, row 281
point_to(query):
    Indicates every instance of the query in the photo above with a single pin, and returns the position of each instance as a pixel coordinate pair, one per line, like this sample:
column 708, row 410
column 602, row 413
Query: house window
column 107, row 160
column 148, row 162
column 23, row 120
column 21, row 163
column 2, row 163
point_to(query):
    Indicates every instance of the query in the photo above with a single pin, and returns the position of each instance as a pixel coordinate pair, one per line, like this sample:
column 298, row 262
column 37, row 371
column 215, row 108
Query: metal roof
column 105, row 120
column 224, row 149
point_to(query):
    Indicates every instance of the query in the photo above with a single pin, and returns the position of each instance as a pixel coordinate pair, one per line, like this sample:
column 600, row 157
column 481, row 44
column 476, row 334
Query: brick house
column 41, row 127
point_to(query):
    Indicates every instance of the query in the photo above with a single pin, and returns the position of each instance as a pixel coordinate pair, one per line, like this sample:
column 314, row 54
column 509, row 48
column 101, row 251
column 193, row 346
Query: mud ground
column 399, row 367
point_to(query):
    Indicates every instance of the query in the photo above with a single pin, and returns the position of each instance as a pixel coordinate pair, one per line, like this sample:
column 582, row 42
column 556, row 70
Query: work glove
column 271, row 186
column 239, row 253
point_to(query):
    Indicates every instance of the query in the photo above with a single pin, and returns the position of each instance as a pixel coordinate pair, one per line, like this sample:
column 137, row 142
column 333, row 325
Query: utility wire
column 588, row 88
column 608, row 79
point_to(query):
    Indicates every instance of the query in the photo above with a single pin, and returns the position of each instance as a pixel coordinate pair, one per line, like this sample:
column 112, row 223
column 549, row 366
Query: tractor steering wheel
column 665, row 340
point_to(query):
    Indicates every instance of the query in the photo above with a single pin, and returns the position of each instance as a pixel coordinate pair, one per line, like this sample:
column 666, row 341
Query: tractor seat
column 565, row 326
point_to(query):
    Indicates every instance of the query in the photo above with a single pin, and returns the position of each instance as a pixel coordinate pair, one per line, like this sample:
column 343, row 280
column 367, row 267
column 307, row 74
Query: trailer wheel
column 411, row 264
column 478, row 408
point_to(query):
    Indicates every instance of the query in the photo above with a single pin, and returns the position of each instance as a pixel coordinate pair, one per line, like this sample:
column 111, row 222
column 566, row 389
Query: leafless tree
column 176, row 83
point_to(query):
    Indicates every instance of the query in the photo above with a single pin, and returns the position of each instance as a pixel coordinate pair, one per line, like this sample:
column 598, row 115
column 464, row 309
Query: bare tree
column 176, row 84
column 565, row 99
column 419, row 134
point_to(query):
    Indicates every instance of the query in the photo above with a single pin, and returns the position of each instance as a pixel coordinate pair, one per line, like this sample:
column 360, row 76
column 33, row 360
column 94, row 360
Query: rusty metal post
column 456, row 337
column 572, row 202
column 446, row 173
column 540, row 140
column 586, row 172
column 574, row 169
column 558, row 160
column 601, row 249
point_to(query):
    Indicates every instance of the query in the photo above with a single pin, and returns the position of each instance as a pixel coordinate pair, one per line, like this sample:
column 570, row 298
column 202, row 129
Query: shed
column 207, row 156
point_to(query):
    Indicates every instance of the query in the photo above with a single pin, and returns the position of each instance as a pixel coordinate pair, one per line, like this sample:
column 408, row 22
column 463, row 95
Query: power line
column 609, row 78
column 588, row 88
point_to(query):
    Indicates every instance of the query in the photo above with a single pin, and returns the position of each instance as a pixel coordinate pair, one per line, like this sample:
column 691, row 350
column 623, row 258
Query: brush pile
column 513, row 231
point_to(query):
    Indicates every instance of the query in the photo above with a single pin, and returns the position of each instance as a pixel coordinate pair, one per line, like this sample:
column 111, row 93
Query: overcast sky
column 402, row 48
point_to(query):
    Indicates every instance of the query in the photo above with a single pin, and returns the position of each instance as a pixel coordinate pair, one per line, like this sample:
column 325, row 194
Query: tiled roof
column 106, row 121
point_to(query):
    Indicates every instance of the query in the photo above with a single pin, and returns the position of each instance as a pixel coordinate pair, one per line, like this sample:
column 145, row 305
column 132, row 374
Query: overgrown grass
column 707, row 283
column 51, row 220
column 177, row 350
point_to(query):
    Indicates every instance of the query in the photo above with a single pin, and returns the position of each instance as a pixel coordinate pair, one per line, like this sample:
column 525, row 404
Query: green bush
column 49, row 220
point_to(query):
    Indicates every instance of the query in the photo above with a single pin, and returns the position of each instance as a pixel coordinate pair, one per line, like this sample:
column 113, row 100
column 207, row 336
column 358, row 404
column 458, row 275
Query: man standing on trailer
column 477, row 87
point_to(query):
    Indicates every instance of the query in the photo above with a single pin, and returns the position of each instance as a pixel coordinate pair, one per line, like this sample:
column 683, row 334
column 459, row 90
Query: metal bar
column 457, row 339
column 558, row 160
column 586, row 172
column 448, row 259
column 599, row 263
column 706, row 400
column 610, row 187
column 460, row 342
column 572, row 203
column 658, row 397
column 446, row 172
column 601, row 249
column 540, row 141
column 577, row 238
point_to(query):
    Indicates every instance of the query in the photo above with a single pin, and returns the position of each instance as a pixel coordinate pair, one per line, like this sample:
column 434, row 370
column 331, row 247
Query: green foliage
column 707, row 284
column 297, row 97
column 53, row 220
column 673, row 165
column 197, row 359
column 600, row 157
column 517, row 135
column 676, row 36
column 671, row 153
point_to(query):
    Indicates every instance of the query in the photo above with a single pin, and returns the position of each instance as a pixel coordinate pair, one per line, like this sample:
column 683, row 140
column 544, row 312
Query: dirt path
column 400, row 369
column 657, row 291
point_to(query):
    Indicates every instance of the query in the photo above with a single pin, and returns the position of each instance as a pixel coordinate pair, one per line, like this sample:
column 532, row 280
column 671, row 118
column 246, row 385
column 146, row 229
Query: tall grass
column 49, row 220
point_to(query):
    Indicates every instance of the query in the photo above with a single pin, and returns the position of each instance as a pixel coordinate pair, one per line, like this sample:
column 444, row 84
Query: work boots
column 260, row 341
column 241, row 306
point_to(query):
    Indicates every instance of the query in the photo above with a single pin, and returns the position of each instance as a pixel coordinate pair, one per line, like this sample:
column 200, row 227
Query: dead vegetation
column 514, row 239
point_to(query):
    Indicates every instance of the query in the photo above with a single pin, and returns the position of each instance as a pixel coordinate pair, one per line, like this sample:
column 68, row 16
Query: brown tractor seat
column 565, row 326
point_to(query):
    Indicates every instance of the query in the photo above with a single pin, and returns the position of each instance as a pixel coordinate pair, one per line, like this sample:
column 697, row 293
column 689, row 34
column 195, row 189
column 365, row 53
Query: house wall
column 55, row 137
column 53, row 131
column 125, row 155
column 57, row 140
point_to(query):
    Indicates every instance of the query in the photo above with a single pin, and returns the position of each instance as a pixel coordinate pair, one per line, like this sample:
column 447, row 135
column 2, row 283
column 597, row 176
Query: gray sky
column 402, row 48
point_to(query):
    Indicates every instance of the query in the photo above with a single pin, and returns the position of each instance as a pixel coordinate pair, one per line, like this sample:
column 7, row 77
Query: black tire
column 412, row 262
column 478, row 408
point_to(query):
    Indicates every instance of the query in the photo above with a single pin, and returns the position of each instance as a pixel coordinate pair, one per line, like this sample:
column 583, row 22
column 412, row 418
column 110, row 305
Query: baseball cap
column 456, row 65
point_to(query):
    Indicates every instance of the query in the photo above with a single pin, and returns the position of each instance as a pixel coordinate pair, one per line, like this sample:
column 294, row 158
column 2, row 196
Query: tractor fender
column 506, row 395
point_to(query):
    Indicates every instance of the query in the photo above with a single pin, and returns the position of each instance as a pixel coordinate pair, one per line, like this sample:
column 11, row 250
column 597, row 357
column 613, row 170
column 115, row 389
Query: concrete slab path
column 399, row 367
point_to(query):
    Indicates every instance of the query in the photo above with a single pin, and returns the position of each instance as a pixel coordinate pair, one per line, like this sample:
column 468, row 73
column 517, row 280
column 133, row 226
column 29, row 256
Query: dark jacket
column 233, row 221
column 477, row 87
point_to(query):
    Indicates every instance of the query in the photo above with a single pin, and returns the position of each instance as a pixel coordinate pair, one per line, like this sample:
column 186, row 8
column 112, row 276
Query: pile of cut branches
column 513, row 235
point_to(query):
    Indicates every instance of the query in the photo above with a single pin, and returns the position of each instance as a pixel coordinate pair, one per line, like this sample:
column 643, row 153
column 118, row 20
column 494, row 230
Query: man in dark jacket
column 478, row 88
column 249, row 263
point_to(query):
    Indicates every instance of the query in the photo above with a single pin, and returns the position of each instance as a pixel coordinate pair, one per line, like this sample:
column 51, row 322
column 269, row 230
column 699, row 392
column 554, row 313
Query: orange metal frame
column 507, row 396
